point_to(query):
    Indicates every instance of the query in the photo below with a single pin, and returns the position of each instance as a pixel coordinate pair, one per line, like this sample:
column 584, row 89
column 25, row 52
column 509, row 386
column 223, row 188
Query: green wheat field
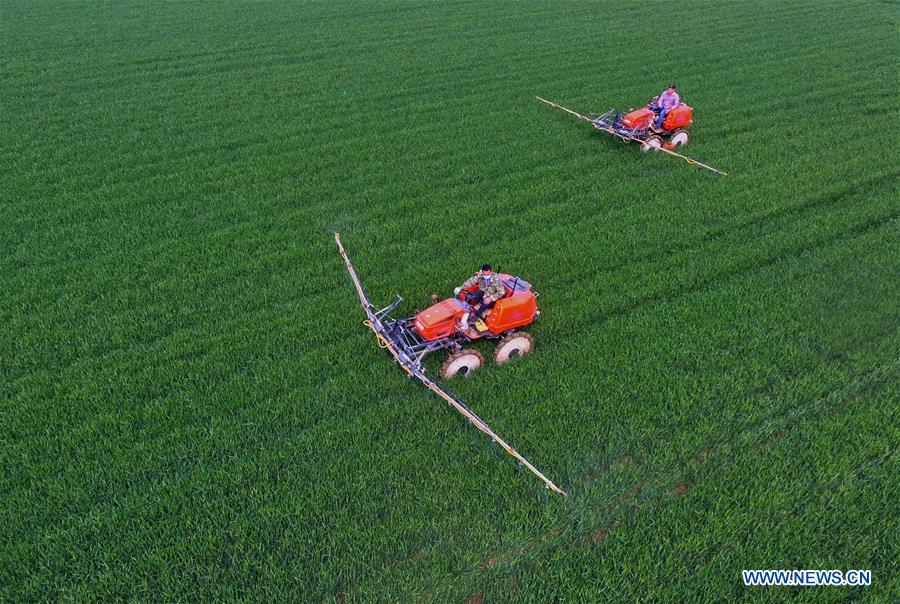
column 192, row 410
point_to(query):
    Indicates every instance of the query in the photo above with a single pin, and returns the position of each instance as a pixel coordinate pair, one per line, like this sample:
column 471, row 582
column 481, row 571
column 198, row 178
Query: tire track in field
column 747, row 533
column 741, row 269
column 757, row 220
column 779, row 436
column 694, row 243
column 689, row 244
column 682, row 488
column 760, row 434
column 703, row 283
column 862, row 227
column 627, row 500
column 581, row 326
column 784, row 417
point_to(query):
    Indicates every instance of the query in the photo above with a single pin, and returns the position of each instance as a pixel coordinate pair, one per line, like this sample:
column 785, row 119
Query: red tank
column 639, row 118
column 512, row 311
column 517, row 309
column 439, row 320
column 678, row 117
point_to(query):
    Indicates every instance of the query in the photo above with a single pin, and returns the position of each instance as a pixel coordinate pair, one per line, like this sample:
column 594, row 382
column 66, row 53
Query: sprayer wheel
column 463, row 362
column 514, row 344
column 680, row 138
column 653, row 143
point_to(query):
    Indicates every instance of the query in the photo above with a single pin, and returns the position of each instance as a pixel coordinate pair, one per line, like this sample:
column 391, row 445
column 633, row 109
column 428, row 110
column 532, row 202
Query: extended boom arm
column 374, row 323
column 606, row 129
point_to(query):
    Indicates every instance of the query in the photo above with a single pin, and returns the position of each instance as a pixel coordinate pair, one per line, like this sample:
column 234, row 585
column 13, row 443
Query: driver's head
column 671, row 88
column 487, row 270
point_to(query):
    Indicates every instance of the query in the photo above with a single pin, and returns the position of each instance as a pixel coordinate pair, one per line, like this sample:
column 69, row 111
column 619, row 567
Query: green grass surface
column 192, row 409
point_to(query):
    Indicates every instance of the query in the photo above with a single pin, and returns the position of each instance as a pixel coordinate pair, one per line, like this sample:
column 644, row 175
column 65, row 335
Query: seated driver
column 490, row 289
column 664, row 102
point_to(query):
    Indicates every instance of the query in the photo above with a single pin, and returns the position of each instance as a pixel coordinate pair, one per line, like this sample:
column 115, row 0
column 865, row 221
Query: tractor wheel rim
column 651, row 144
column 516, row 347
column 463, row 365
